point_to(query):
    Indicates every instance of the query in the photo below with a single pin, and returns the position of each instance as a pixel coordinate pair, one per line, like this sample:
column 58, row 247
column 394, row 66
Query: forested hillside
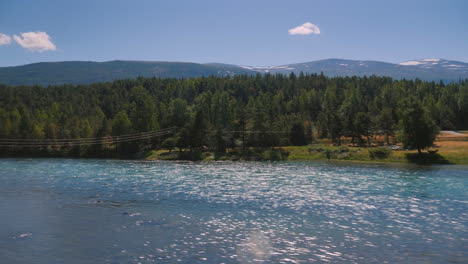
column 216, row 113
column 87, row 72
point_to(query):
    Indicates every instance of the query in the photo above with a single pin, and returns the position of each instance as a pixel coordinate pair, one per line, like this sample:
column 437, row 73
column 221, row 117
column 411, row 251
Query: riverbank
column 444, row 152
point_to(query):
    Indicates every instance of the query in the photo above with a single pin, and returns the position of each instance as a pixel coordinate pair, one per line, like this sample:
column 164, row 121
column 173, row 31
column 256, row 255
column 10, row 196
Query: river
column 117, row 211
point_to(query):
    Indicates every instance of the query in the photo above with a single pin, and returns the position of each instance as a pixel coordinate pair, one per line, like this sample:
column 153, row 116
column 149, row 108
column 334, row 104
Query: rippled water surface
column 100, row 211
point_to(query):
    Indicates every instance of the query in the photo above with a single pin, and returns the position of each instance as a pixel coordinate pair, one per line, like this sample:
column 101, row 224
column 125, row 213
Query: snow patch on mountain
column 453, row 65
column 267, row 68
column 423, row 62
column 411, row 63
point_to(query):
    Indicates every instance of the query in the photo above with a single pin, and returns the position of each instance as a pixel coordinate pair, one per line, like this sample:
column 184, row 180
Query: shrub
column 328, row 154
column 284, row 153
column 169, row 143
column 379, row 153
column 197, row 155
column 275, row 154
column 342, row 150
column 345, row 155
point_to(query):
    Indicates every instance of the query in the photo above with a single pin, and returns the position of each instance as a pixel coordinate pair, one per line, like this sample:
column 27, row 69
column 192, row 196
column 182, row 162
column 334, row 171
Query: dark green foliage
column 328, row 154
column 198, row 131
column 169, row 143
column 379, row 153
column 426, row 158
column 275, row 154
column 220, row 142
column 362, row 127
column 121, row 125
column 418, row 130
column 386, row 123
column 178, row 112
column 221, row 113
column 297, row 136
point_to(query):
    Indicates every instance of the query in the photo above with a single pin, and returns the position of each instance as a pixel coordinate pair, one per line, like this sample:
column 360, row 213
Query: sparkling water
column 114, row 211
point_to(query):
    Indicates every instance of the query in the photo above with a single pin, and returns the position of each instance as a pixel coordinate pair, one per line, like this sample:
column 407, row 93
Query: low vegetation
column 443, row 152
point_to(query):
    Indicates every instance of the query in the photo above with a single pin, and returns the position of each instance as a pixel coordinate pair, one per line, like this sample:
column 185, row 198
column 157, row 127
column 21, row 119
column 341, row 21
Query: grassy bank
column 444, row 152
column 447, row 153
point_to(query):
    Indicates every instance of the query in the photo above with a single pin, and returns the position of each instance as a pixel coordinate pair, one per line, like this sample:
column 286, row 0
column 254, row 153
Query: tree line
column 219, row 113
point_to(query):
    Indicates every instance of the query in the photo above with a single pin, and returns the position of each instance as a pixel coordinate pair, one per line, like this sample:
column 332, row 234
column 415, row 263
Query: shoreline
column 445, row 156
column 337, row 162
column 331, row 162
column 447, row 153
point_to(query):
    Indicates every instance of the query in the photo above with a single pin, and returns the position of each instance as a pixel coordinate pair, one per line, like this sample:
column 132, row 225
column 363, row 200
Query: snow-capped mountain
column 425, row 69
column 437, row 64
column 80, row 72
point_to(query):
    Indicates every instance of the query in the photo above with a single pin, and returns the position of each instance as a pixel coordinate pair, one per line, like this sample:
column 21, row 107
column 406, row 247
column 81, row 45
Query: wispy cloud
column 4, row 39
column 35, row 41
column 305, row 29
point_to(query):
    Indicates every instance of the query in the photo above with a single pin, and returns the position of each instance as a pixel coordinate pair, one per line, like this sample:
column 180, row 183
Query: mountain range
column 85, row 72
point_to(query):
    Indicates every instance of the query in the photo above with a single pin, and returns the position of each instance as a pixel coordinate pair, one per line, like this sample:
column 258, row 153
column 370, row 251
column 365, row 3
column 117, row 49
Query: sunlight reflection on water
column 97, row 211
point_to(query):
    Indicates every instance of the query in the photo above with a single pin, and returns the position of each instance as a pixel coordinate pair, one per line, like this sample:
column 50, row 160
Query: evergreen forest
column 222, row 113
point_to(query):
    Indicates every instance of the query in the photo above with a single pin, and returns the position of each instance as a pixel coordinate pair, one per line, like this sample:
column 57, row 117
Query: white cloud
column 35, row 41
column 305, row 29
column 4, row 39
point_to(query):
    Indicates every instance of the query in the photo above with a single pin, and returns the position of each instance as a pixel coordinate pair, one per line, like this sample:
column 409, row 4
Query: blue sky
column 253, row 32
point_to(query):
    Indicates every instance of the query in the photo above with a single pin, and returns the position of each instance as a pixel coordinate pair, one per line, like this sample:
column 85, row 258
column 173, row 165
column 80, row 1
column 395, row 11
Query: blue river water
column 115, row 211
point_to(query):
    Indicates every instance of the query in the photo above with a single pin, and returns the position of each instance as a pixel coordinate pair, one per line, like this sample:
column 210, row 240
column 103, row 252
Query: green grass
column 448, row 153
column 161, row 155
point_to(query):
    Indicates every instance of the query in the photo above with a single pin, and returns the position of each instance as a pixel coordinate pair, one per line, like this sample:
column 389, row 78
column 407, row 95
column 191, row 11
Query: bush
column 345, row 155
column 275, row 154
column 379, row 153
column 284, row 153
column 316, row 150
column 207, row 156
column 329, row 154
column 169, row 143
column 197, row 155
column 342, row 150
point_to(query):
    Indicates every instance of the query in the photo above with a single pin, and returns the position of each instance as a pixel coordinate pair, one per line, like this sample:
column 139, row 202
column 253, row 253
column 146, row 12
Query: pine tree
column 418, row 130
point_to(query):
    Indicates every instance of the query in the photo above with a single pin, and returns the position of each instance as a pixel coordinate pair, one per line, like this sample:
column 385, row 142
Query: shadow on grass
column 426, row 158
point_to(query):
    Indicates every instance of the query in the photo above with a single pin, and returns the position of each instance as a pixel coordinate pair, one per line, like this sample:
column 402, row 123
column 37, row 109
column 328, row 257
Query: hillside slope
column 426, row 69
column 82, row 72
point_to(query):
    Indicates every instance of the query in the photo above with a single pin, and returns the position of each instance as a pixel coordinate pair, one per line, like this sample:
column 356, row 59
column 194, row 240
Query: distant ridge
column 424, row 69
column 85, row 72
